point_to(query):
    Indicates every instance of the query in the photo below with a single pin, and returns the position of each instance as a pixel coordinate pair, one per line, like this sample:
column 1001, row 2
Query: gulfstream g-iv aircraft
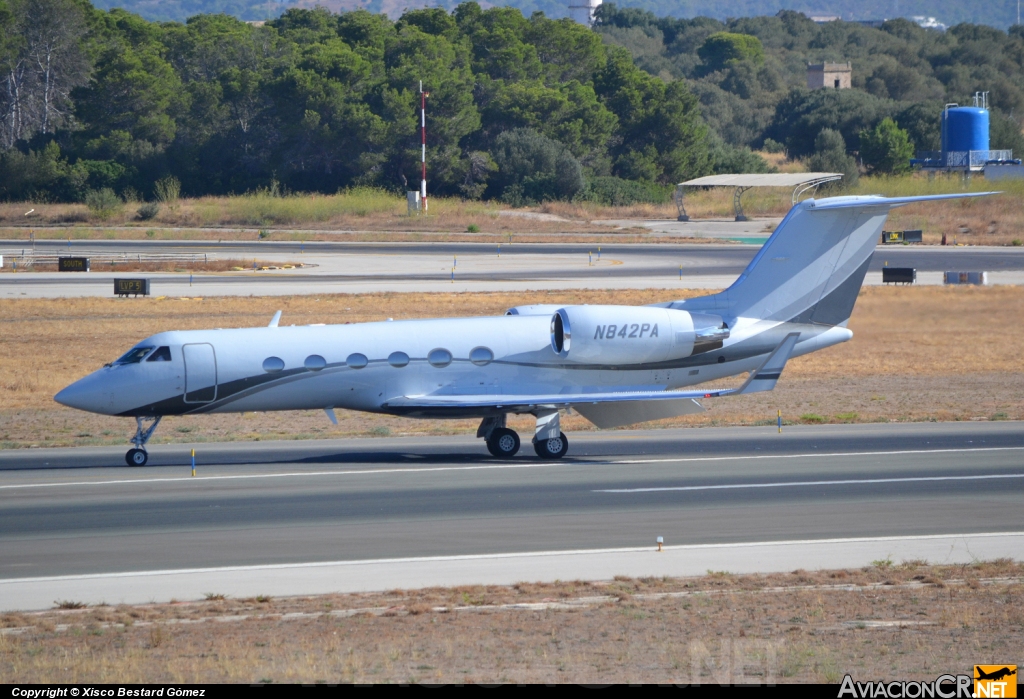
column 614, row 365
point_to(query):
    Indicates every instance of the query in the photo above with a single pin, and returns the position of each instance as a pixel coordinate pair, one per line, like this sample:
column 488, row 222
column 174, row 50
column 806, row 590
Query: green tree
column 886, row 148
column 570, row 113
column 328, row 132
column 1005, row 134
column 802, row 114
column 723, row 49
column 534, row 168
column 42, row 60
column 445, row 67
column 830, row 156
column 133, row 91
column 661, row 134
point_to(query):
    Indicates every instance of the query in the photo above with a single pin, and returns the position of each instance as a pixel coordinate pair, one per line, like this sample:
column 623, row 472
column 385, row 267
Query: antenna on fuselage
column 275, row 320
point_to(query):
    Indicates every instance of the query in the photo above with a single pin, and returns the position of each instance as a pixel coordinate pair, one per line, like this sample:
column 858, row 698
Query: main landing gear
column 138, row 456
column 549, row 442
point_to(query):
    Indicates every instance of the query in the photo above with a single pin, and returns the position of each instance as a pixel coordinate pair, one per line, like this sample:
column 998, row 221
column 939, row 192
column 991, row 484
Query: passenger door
column 200, row 373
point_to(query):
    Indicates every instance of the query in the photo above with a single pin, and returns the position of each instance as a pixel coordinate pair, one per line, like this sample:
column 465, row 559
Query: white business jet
column 614, row 365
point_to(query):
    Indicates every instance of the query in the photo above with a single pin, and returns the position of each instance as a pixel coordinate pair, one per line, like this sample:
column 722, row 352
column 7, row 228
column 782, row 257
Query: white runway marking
column 494, row 467
column 802, row 484
column 500, row 556
column 821, row 456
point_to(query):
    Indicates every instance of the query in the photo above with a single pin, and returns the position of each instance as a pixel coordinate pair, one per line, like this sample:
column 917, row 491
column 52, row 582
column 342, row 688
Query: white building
column 582, row 11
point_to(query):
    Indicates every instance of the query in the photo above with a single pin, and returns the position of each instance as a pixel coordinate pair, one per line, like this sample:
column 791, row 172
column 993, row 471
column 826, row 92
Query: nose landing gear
column 138, row 456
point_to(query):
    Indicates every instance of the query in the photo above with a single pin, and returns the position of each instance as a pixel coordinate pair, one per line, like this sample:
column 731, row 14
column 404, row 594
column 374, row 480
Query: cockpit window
column 134, row 355
column 162, row 354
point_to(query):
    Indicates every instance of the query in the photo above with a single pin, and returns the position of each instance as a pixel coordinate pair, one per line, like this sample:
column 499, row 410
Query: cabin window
column 162, row 354
column 481, row 356
column 134, row 355
column 272, row 365
column 398, row 359
column 315, row 362
column 357, row 361
column 439, row 357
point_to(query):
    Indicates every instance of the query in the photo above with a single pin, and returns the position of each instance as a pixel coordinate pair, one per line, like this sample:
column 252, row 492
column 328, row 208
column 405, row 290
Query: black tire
column 503, row 443
column 136, row 457
column 552, row 448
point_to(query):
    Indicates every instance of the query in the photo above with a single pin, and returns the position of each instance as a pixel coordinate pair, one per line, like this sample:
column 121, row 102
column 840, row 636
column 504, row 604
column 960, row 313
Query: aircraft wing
column 605, row 409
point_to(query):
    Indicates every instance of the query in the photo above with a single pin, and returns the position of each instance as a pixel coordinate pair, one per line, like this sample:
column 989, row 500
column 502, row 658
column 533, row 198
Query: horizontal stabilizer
column 767, row 375
column 860, row 202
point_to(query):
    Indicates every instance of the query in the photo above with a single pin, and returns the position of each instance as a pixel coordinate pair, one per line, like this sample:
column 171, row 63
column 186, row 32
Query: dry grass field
column 366, row 214
column 918, row 353
column 890, row 621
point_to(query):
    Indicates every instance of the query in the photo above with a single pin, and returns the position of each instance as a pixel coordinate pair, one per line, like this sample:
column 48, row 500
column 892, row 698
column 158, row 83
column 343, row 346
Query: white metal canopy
column 799, row 181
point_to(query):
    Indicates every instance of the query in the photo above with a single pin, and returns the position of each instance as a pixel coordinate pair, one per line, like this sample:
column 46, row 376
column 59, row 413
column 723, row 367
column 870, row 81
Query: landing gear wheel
column 552, row 448
column 503, row 443
column 136, row 457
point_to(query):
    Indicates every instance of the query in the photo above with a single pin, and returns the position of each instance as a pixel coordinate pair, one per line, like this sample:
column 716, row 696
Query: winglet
column 275, row 320
column 767, row 375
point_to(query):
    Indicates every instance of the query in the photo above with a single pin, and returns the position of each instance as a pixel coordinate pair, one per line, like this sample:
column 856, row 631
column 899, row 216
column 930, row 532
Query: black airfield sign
column 72, row 264
column 132, row 287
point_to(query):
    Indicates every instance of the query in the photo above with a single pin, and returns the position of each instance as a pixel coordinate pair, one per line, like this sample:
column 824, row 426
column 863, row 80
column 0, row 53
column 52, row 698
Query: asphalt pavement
column 338, row 267
column 81, row 511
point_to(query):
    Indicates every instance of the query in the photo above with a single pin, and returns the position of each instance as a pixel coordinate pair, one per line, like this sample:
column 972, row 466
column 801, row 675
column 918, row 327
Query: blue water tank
column 964, row 128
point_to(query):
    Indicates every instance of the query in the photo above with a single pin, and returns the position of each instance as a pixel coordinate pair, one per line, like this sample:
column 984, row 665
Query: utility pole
column 423, row 130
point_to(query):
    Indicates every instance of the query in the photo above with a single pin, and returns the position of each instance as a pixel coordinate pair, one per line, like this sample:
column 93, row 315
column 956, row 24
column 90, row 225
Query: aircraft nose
column 84, row 394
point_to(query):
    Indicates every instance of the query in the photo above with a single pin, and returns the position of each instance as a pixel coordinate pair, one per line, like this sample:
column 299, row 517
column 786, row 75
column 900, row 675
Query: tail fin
column 812, row 267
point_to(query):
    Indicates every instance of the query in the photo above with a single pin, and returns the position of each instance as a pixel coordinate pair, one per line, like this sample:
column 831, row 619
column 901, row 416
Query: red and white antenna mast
column 423, row 129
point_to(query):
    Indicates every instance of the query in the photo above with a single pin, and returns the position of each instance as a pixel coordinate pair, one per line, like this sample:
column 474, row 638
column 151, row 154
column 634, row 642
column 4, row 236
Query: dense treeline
column 950, row 12
column 101, row 104
column 750, row 75
column 315, row 101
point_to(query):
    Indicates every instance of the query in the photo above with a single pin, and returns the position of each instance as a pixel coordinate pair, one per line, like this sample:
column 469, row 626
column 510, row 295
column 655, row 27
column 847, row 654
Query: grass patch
column 69, row 604
column 996, row 221
column 812, row 418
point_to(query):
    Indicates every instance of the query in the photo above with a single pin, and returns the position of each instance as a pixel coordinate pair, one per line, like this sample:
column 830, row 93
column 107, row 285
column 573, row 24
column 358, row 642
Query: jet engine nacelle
column 619, row 335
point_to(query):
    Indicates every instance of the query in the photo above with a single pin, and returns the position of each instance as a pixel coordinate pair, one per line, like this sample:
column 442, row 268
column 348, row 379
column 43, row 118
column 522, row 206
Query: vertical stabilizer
column 812, row 267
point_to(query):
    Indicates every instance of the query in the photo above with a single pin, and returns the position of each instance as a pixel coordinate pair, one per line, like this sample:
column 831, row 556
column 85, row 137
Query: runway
column 337, row 267
column 434, row 509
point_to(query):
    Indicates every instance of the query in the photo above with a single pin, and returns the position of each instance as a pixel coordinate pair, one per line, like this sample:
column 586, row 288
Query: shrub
column 886, row 148
column 473, row 228
column 830, row 156
column 534, row 168
column 102, row 202
column 615, row 191
column 148, row 211
column 167, row 189
column 772, row 146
